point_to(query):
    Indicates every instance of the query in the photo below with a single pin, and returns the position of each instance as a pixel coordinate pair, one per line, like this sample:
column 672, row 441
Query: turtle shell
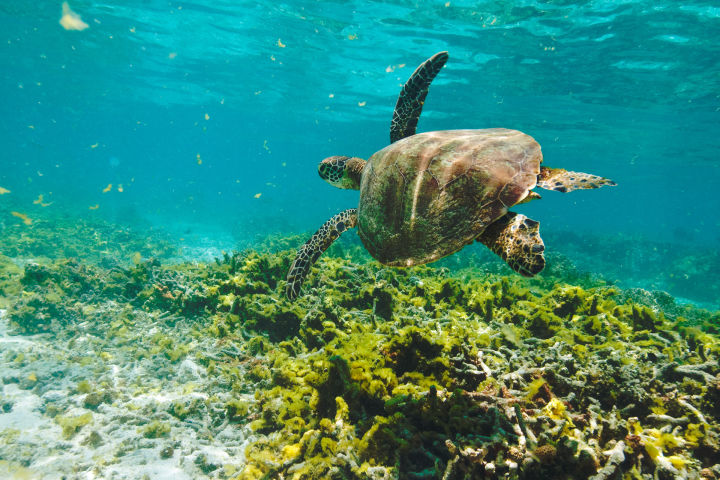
column 428, row 195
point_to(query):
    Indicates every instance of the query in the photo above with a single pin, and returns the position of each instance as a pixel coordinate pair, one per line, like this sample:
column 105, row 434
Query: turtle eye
column 332, row 169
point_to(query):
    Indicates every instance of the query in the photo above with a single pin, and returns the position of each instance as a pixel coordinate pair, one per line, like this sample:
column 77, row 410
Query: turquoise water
column 159, row 171
column 213, row 115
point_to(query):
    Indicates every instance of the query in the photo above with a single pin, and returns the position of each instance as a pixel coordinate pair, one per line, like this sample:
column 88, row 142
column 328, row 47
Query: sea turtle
column 426, row 196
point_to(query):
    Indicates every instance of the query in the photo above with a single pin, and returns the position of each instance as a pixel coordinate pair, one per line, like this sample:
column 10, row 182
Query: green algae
column 385, row 374
column 71, row 425
column 155, row 429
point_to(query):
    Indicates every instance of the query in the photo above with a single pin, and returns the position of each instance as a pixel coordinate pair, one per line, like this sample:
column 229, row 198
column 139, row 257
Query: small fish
column 23, row 217
column 4, row 191
column 108, row 188
column 94, row 207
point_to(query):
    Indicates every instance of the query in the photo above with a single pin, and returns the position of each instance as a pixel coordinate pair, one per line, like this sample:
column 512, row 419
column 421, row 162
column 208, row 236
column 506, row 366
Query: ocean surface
column 203, row 122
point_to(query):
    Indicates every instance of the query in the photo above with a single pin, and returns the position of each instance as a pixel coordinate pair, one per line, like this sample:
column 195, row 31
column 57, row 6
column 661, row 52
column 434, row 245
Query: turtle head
column 342, row 172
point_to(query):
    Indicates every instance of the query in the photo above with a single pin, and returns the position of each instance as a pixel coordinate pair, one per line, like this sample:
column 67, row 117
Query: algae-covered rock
column 449, row 371
column 430, row 378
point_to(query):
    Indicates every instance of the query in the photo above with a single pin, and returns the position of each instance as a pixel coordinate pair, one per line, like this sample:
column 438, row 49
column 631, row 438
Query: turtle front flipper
column 308, row 254
column 516, row 239
column 563, row 181
column 412, row 96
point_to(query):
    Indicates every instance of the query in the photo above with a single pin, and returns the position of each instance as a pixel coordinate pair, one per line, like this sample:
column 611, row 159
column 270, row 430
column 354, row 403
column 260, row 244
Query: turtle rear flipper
column 563, row 181
column 412, row 96
column 308, row 254
column 516, row 239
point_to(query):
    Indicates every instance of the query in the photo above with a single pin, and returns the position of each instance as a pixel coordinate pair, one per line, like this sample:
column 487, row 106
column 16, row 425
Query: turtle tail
column 308, row 254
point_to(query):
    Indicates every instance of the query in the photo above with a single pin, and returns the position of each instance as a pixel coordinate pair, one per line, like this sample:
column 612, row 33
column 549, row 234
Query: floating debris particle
column 108, row 188
column 265, row 146
column 4, row 191
column 94, row 207
column 352, row 36
column 39, row 201
column 120, row 188
column 199, row 160
column 332, row 95
column 172, row 55
column 71, row 20
column 391, row 68
column 207, row 116
column 23, row 217
column 362, row 104
column 95, row 145
column 257, row 195
column 280, row 44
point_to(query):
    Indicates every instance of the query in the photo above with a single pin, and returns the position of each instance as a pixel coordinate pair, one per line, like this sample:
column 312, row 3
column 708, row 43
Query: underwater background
column 213, row 116
column 159, row 169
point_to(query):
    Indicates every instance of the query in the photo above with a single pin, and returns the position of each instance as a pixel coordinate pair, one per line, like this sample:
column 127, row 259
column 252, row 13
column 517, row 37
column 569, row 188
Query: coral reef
column 499, row 377
column 446, row 371
column 61, row 236
column 685, row 267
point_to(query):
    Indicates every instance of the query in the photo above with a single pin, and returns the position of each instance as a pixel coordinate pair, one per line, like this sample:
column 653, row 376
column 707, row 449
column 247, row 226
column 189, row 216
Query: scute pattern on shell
column 429, row 195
